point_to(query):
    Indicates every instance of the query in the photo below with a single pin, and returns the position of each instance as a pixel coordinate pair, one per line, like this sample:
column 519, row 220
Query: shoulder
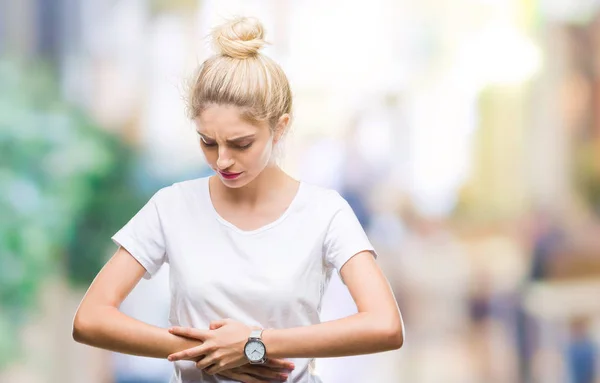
column 180, row 192
column 324, row 200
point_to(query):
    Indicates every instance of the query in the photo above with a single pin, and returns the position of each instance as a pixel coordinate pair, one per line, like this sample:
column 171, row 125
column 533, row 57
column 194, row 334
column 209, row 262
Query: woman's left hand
column 222, row 348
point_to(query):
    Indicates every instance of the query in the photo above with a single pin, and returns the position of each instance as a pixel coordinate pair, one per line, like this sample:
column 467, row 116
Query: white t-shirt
column 273, row 277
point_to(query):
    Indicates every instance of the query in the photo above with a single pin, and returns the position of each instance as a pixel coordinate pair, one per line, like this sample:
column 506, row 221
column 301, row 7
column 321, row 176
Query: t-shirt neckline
column 265, row 227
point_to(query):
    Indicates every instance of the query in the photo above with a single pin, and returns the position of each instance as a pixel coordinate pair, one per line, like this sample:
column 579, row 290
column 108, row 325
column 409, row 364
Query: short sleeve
column 345, row 237
column 143, row 237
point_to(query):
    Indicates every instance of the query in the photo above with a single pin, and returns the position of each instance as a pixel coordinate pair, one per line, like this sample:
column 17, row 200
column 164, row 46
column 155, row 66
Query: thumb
column 218, row 324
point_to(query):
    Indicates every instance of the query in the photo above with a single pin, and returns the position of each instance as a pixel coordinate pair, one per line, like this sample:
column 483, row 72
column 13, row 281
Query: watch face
column 254, row 350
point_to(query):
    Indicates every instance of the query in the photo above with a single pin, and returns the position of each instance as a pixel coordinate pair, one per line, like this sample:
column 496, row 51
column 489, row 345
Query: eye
column 244, row 147
column 207, row 143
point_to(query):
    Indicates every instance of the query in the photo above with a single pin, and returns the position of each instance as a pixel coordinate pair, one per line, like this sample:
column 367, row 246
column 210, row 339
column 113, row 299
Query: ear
column 281, row 127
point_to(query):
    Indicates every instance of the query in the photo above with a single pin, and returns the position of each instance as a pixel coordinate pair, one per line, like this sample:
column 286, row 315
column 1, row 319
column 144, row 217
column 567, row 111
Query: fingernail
column 283, row 376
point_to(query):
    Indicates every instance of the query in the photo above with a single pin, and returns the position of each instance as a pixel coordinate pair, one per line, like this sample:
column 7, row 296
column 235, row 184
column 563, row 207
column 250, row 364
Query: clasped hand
column 222, row 352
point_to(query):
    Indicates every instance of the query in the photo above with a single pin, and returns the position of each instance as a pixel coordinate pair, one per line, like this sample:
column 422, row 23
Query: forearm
column 110, row 329
column 362, row 333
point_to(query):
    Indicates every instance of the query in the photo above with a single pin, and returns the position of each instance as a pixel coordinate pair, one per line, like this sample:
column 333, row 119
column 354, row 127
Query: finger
column 218, row 324
column 264, row 372
column 280, row 363
column 207, row 362
column 191, row 353
column 274, row 369
column 214, row 369
column 219, row 365
column 232, row 375
column 189, row 332
column 245, row 378
column 214, row 325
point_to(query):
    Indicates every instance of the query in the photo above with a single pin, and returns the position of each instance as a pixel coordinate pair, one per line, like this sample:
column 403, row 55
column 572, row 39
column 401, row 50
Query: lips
column 229, row 175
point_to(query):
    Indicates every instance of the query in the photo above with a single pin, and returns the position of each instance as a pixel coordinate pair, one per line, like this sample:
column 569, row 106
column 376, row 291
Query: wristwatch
column 255, row 349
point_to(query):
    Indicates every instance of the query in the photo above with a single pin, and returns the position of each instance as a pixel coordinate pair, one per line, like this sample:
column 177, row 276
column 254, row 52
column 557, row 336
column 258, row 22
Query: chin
column 236, row 183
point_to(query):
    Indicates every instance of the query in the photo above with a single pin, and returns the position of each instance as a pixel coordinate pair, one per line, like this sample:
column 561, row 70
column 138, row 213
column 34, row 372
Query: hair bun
column 239, row 38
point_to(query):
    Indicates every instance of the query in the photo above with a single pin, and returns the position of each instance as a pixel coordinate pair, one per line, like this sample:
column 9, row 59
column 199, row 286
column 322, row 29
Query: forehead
column 225, row 121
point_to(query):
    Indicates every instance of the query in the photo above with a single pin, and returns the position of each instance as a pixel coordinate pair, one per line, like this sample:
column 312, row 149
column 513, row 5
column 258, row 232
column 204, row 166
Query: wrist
column 254, row 349
column 182, row 343
column 268, row 340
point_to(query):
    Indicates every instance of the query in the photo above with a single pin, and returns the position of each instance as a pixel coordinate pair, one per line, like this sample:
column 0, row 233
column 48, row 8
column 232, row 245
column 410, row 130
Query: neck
column 269, row 181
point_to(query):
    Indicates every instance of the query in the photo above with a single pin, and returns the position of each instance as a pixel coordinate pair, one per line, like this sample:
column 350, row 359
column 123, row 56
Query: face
column 237, row 150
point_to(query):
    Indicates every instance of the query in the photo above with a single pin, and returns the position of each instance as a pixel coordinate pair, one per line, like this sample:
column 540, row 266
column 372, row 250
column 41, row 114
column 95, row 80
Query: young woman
column 251, row 250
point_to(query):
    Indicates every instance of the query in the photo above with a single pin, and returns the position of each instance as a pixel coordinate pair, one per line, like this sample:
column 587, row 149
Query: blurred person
column 547, row 237
column 250, row 250
column 582, row 353
column 482, row 326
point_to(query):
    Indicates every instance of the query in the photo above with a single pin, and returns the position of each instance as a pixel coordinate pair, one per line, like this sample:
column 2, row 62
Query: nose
column 224, row 161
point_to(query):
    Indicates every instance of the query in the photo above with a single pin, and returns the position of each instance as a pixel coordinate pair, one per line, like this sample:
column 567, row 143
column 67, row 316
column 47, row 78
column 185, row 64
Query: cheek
column 260, row 154
column 266, row 152
column 268, row 148
column 253, row 158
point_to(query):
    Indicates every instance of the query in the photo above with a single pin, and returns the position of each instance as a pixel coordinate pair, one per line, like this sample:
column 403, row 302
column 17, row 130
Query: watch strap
column 256, row 334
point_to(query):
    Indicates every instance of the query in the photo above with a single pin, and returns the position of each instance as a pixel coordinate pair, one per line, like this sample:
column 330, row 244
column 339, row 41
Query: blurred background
column 464, row 133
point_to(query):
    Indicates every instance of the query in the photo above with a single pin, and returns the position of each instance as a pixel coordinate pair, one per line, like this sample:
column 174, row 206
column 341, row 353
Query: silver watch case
column 255, row 350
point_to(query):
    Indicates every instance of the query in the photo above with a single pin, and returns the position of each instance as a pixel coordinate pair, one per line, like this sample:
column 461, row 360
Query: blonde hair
column 238, row 74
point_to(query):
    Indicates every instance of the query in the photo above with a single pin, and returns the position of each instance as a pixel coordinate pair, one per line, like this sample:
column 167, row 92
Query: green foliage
column 63, row 192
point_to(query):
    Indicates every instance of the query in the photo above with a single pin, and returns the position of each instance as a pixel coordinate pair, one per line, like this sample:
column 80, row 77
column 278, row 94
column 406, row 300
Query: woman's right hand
column 274, row 370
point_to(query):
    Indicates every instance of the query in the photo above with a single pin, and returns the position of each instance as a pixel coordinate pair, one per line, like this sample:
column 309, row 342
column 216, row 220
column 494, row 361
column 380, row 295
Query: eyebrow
column 231, row 140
